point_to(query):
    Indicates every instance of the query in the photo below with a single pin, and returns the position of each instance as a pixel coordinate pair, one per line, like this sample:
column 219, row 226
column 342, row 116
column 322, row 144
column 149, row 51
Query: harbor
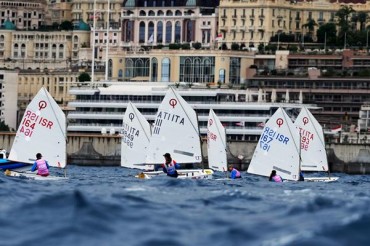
column 104, row 150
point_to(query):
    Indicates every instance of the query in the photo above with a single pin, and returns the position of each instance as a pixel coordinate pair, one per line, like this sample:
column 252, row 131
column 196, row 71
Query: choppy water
column 108, row 206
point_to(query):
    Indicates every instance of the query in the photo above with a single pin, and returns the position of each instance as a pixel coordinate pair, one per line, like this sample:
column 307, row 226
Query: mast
column 93, row 47
column 107, row 44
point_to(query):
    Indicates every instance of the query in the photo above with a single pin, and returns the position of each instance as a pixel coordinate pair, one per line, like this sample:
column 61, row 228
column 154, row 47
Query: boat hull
column 183, row 174
column 33, row 175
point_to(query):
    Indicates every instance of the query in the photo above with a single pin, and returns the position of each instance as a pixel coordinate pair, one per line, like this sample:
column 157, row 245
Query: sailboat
column 277, row 148
column 176, row 131
column 41, row 130
column 135, row 138
column 313, row 153
column 216, row 143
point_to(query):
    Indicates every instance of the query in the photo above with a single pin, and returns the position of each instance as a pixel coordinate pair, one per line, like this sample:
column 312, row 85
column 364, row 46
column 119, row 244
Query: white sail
column 42, row 130
column 313, row 153
column 277, row 148
column 216, row 143
column 135, row 138
column 175, row 131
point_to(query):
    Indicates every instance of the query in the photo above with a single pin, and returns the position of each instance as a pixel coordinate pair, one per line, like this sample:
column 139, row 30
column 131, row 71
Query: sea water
column 108, row 206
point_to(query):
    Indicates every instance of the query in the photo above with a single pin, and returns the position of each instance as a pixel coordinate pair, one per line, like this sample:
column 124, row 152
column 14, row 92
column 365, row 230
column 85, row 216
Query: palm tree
column 310, row 25
column 354, row 20
column 343, row 15
column 362, row 18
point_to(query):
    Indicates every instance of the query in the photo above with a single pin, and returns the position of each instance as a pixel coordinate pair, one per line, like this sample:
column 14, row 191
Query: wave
column 354, row 232
column 60, row 216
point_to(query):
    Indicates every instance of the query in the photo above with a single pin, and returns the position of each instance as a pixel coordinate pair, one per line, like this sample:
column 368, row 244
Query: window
column 166, row 66
column 197, row 69
column 234, row 74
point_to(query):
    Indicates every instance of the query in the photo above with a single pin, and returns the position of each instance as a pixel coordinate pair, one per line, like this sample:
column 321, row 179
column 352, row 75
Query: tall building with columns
column 162, row 22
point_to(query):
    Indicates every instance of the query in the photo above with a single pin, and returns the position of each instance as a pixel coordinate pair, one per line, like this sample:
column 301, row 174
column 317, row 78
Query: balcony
column 126, row 44
column 321, row 20
column 251, row 28
column 280, row 17
column 243, row 16
column 242, row 28
column 205, row 26
column 261, row 16
column 251, row 17
column 234, row 16
column 224, row 28
column 224, row 16
column 233, row 28
column 298, row 18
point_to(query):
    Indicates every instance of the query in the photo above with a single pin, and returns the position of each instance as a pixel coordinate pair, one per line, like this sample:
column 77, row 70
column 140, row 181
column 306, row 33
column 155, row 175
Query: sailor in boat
column 234, row 173
column 275, row 178
column 170, row 166
column 301, row 177
column 41, row 165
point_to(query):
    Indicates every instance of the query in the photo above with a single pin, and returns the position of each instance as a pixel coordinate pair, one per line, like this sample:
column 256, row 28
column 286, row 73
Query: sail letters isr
column 268, row 136
column 31, row 120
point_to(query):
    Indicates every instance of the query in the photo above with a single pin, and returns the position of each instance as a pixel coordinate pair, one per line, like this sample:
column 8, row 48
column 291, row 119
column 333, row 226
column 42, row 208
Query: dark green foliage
column 84, row 77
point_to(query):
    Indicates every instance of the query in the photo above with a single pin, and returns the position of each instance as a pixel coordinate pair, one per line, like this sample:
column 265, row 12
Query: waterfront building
column 243, row 112
column 340, row 98
column 364, row 119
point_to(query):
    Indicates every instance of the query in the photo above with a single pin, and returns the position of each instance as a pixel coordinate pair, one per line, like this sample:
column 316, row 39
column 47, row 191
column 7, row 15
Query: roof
column 8, row 25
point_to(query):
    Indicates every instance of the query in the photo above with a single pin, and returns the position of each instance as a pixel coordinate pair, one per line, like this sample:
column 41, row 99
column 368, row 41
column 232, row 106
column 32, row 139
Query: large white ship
column 243, row 112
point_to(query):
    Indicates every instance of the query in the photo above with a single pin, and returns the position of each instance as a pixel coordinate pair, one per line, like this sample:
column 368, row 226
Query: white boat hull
column 33, row 175
column 183, row 174
column 321, row 179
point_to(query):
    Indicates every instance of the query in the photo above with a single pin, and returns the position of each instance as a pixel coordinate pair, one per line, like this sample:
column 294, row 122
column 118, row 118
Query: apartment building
column 27, row 15
column 253, row 22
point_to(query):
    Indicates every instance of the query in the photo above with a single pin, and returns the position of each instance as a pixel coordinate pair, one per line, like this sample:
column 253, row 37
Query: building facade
column 25, row 15
column 254, row 22
column 8, row 91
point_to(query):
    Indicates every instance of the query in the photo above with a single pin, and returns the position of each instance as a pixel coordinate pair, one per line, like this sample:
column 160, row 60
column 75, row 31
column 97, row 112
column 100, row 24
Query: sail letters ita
column 165, row 116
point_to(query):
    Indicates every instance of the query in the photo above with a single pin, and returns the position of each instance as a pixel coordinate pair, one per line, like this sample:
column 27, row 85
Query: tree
column 66, row 25
column 362, row 18
column 343, row 15
column 235, row 46
column 331, row 33
column 84, row 77
column 261, row 48
column 4, row 127
column 197, row 45
column 310, row 25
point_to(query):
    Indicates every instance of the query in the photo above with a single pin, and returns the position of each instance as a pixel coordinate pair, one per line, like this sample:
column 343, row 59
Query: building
column 151, row 23
column 25, row 15
column 254, row 22
column 242, row 112
column 8, row 91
